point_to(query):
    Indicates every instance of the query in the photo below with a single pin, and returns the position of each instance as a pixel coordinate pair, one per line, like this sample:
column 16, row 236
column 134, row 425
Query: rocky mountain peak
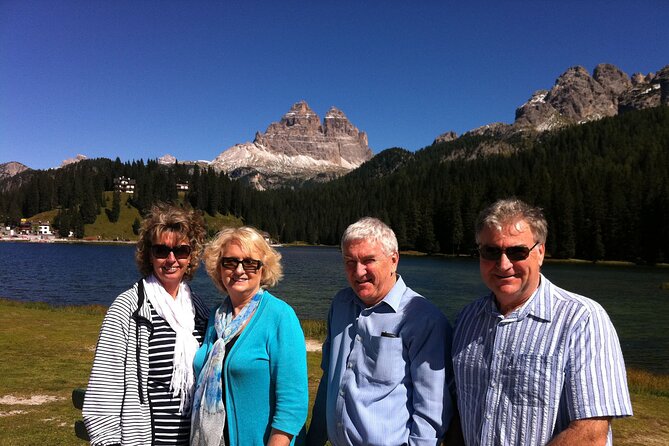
column 167, row 159
column 576, row 97
column 579, row 97
column 76, row 159
column 11, row 168
column 301, row 115
column 613, row 79
column 297, row 148
column 446, row 137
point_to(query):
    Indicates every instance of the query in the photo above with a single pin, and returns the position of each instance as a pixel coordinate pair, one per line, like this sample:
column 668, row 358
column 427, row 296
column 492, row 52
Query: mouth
column 170, row 269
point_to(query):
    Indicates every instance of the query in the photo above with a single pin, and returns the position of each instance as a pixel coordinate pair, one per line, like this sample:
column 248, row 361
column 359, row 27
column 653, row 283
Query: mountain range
column 300, row 147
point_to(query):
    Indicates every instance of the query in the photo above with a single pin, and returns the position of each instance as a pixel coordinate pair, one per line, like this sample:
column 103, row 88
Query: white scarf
column 179, row 313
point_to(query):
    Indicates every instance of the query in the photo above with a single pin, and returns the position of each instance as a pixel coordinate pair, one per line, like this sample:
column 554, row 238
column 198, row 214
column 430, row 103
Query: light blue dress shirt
column 386, row 372
column 521, row 379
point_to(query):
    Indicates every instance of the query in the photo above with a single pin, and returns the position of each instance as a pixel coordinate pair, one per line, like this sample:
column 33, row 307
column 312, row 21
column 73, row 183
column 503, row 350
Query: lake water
column 79, row 274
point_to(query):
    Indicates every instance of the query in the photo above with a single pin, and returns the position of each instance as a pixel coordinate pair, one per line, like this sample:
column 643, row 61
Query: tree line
column 604, row 187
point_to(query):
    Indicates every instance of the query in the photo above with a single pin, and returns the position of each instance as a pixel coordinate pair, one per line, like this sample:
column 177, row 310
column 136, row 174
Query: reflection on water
column 78, row 274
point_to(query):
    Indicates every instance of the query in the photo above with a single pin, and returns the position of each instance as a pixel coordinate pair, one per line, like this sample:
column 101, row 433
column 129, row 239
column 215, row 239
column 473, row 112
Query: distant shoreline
column 306, row 245
column 67, row 241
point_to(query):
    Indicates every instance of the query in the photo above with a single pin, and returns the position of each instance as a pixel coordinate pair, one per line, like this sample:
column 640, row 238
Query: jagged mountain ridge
column 296, row 149
column 301, row 148
column 575, row 98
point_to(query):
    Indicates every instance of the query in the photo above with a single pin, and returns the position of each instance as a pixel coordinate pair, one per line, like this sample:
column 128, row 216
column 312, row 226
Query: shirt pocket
column 383, row 360
column 532, row 380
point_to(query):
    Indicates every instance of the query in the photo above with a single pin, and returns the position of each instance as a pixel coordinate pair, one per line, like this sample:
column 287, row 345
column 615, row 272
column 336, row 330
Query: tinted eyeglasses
column 249, row 265
column 163, row 251
column 513, row 253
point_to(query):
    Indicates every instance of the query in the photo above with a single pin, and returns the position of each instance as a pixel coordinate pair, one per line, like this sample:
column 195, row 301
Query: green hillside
column 122, row 229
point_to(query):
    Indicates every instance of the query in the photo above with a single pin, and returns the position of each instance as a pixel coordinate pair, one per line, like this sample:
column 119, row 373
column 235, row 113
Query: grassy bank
column 48, row 351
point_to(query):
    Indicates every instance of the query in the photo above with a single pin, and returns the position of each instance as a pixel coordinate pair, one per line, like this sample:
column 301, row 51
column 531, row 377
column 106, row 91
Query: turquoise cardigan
column 265, row 375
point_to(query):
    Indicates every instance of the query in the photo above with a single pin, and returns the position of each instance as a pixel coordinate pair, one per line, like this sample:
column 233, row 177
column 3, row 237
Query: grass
column 48, row 351
column 314, row 329
column 122, row 229
column 216, row 222
column 49, row 216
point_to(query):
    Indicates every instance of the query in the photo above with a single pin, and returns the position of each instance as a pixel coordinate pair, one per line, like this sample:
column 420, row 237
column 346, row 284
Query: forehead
column 362, row 248
column 511, row 230
column 169, row 238
column 234, row 248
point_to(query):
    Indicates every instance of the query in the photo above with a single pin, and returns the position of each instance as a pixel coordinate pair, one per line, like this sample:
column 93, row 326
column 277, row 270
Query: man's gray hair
column 373, row 230
column 509, row 210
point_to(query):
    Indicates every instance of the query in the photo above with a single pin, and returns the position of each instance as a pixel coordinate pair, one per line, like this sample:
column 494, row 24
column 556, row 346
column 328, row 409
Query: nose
column 360, row 269
column 504, row 263
column 238, row 267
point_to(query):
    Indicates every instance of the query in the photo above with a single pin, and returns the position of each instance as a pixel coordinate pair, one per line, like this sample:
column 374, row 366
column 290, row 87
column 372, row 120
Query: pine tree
column 115, row 211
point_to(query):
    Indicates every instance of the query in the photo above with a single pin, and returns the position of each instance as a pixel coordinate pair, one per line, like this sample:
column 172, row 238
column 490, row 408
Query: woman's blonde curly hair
column 253, row 245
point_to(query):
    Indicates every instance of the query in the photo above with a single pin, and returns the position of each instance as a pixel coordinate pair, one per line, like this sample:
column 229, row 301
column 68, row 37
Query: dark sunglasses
column 513, row 253
column 249, row 265
column 163, row 251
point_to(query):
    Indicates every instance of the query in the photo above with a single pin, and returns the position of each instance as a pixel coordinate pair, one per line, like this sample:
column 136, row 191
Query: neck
column 172, row 289
column 508, row 308
column 239, row 301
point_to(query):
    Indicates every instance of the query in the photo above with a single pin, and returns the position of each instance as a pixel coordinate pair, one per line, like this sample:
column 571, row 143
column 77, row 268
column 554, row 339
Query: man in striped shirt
column 534, row 364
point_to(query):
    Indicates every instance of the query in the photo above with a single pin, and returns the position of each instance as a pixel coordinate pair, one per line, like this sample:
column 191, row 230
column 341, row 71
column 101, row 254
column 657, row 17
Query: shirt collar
column 392, row 299
column 540, row 305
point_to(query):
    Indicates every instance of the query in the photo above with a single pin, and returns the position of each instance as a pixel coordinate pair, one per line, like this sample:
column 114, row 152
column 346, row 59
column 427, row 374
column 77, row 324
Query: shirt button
column 341, row 392
column 349, row 365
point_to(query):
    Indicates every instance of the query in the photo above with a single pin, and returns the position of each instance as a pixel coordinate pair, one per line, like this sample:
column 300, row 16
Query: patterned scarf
column 208, row 417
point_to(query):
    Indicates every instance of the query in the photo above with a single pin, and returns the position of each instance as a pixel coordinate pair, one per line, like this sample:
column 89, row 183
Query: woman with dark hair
column 252, row 385
column 141, row 386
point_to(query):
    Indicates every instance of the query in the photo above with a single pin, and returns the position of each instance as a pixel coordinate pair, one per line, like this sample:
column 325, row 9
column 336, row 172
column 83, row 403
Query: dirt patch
column 34, row 400
column 314, row 346
column 11, row 412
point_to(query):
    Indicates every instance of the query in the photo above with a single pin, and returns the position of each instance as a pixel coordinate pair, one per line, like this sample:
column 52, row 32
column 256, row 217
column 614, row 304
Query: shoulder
column 416, row 304
column 421, row 317
column 567, row 301
column 274, row 305
column 126, row 301
column 472, row 311
column 201, row 308
column 343, row 297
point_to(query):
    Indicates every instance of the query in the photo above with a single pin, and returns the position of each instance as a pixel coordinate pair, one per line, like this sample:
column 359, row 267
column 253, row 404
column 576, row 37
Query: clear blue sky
column 142, row 78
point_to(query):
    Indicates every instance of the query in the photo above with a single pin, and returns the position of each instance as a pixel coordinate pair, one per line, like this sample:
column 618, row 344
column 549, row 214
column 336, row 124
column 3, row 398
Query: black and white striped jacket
column 116, row 408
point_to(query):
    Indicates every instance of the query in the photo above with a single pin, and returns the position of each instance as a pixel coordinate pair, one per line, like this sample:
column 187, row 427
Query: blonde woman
column 252, row 385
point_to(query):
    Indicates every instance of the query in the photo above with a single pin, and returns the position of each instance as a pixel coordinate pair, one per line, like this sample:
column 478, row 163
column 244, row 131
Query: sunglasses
column 163, row 251
column 249, row 265
column 513, row 253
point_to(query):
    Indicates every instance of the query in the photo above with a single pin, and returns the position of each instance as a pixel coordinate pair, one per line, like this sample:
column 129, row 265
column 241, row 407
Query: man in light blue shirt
column 386, row 360
column 534, row 364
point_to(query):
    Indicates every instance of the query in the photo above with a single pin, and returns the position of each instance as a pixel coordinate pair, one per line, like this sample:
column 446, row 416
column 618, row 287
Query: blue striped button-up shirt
column 521, row 379
column 385, row 372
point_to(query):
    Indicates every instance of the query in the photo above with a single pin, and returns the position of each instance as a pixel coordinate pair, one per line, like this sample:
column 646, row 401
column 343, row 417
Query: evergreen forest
column 604, row 187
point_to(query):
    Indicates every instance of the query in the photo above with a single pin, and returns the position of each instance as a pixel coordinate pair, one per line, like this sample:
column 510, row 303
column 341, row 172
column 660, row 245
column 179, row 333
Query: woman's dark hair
column 164, row 218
